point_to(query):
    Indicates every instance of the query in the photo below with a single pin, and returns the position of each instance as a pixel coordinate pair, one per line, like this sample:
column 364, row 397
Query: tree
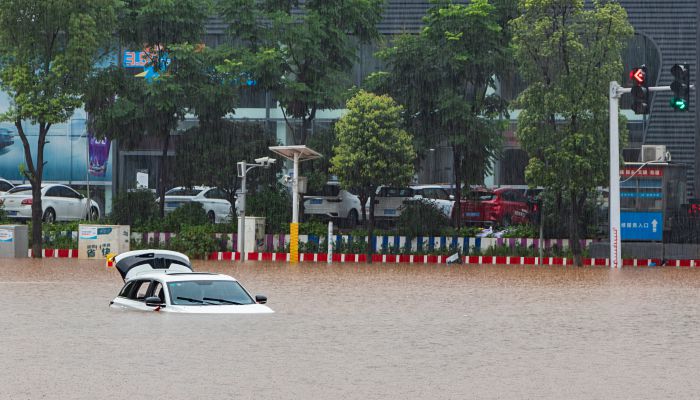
column 372, row 149
column 47, row 50
column 316, row 42
column 443, row 76
column 210, row 152
column 568, row 54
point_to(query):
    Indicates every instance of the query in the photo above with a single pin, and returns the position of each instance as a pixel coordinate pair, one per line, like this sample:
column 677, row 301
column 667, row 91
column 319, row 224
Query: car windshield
column 183, row 192
column 188, row 293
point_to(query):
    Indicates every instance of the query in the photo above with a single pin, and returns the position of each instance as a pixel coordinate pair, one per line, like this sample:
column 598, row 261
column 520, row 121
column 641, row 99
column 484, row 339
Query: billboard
column 67, row 153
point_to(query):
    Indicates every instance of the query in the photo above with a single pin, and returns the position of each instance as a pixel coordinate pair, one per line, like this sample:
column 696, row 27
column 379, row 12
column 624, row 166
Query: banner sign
column 98, row 155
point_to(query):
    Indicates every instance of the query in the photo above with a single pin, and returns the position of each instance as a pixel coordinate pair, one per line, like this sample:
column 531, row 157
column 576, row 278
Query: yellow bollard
column 294, row 242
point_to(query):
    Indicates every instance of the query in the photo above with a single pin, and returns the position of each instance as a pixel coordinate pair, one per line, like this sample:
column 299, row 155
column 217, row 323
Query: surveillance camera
column 266, row 161
column 287, row 178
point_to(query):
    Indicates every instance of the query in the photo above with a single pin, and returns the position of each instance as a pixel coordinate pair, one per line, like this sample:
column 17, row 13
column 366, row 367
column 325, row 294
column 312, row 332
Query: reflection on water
column 358, row 332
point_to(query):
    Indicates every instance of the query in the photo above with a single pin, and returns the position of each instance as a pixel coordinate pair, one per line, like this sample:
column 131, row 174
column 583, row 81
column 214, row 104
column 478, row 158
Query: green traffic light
column 679, row 103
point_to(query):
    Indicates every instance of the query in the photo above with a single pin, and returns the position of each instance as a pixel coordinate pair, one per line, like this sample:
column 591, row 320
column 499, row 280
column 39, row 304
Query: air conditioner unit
column 652, row 153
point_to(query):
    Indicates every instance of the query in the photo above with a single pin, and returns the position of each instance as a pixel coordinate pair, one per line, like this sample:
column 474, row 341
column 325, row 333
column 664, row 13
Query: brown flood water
column 358, row 332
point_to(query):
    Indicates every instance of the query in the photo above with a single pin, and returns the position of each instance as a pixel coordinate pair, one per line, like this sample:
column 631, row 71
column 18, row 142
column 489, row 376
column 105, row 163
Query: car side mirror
column 260, row 299
column 154, row 301
column 452, row 197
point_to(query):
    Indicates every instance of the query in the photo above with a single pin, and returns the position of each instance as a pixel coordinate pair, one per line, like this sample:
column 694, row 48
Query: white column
column 614, row 195
column 295, row 190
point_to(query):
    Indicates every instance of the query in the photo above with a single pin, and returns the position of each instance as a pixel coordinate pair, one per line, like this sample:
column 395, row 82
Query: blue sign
column 642, row 226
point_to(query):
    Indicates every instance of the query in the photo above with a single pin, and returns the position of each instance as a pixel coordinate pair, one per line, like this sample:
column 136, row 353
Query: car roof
column 193, row 187
column 427, row 187
column 166, row 277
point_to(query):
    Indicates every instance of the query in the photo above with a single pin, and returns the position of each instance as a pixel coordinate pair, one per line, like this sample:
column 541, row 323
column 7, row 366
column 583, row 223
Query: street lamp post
column 297, row 154
column 243, row 168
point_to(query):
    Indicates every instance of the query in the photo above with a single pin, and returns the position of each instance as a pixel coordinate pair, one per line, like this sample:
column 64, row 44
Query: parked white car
column 334, row 203
column 58, row 202
column 162, row 280
column 437, row 195
column 213, row 200
column 388, row 201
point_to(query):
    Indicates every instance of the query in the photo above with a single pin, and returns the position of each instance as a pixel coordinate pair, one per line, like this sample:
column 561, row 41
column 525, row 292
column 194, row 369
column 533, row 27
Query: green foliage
column 135, row 208
column 372, row 148
column 211, row 152
column 309, row 54
column 197, row 241
column 273, row 203
column 315, row 228
column 187, row 215
column 48, row 48
column 421, row 217
column 522, row 231
column 568, row 54
column 442, row 76
column 125, row 107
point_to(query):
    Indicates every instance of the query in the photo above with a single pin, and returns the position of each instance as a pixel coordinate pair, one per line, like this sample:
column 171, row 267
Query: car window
column 158, row 291
column 215, row 194
column 183, row 192
column 19, row 189
column 5, row 186
column 328, row 191
column 69, row 193
column 396, row 192
column 54, row 192
column 126, row 290
column 140, row 290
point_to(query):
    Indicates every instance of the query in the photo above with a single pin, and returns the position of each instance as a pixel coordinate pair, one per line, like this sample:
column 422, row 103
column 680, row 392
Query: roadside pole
column 614, row 194
column 329, row 241
column 241, row 220
column 616, row 91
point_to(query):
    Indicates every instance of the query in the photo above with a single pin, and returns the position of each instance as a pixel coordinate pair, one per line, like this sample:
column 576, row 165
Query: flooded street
column 358, row 332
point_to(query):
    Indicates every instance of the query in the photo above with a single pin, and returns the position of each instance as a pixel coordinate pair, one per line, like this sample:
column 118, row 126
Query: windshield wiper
column 224, row 301
column 195, row 300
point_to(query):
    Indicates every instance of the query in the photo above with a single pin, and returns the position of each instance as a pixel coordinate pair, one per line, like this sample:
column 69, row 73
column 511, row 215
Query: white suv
column 334, row 203
column 388, row 201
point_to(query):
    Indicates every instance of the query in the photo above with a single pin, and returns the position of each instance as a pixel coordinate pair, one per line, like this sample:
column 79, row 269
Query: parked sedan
column 58, row 203
column 213, row 200
column 162, row 280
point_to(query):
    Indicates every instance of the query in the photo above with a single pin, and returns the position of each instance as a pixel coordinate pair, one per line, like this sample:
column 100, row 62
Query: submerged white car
column 162, row 280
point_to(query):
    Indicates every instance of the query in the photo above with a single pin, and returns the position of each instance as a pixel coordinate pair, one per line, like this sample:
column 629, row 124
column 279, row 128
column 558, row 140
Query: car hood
column 133, row 263
column 221, row 309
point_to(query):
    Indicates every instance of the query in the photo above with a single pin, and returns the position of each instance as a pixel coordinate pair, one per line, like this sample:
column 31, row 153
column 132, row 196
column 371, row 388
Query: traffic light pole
column 616, row 91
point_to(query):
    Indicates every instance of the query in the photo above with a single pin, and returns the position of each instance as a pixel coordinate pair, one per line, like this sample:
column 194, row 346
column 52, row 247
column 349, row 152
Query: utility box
column 14, row 241
column 96, row 241
column 254, row 234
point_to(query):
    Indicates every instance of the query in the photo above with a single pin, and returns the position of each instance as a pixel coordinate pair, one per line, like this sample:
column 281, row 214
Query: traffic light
column 680, row 87
column 640, row 90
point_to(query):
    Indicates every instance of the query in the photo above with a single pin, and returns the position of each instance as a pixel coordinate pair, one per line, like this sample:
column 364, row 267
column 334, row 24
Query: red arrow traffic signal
column 638, row 76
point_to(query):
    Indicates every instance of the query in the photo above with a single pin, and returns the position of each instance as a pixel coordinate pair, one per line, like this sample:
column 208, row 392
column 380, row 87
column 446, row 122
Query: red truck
column 502, row 206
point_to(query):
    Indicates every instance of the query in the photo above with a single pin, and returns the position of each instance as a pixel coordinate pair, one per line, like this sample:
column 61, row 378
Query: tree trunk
column 370, row 228
column 161, row 176
column 363, row 205
column 457, row 165
column 34, row 174
column 574, row 242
